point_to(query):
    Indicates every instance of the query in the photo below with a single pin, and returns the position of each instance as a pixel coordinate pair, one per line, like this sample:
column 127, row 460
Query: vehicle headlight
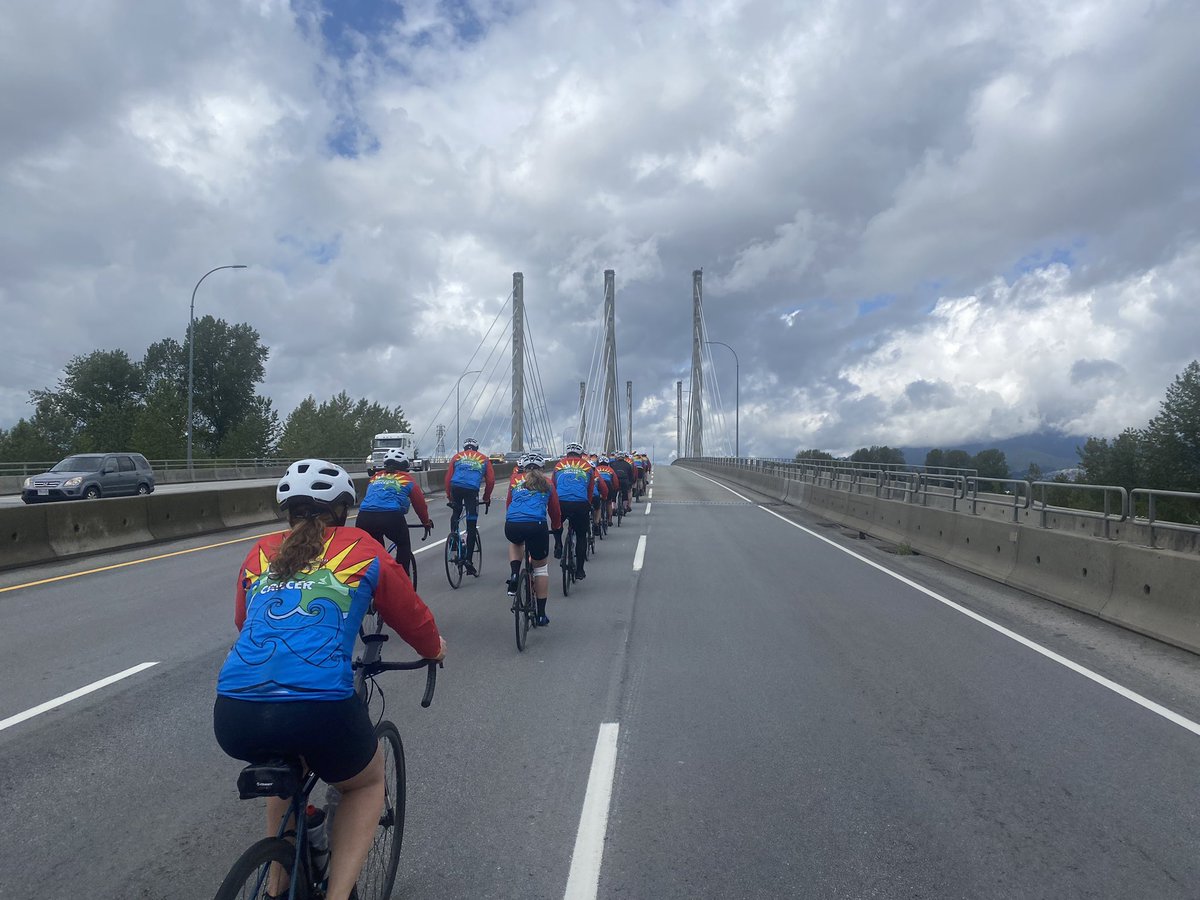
column 73, row 482
column 28, row 482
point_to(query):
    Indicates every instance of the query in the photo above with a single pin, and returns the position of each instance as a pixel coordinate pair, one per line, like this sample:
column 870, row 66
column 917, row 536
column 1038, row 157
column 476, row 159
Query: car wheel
column 92, row 493
column 143, row 488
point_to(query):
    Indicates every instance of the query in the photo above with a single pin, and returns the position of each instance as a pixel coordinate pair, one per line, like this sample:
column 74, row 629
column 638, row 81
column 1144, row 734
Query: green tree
column 228, row 367
column 990, row 463
column 1174, row 434
column 256, row 436
column 935, row 459
column 1033, row 472
column 160, row 427
column 1122, row 462
column 813, row 454
column 338, row 428
column 957, row 459
column 876, row 454
column 25, row 442
column 97, row 398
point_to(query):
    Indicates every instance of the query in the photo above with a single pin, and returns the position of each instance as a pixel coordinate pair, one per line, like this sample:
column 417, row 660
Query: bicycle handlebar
column 370, row 670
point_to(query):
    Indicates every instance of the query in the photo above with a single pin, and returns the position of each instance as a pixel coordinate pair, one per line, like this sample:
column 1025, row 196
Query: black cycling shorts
column 335, row 737
column 534, row 535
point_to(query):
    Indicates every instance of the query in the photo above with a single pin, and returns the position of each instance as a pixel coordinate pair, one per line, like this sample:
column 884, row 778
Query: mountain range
column 1051, row 451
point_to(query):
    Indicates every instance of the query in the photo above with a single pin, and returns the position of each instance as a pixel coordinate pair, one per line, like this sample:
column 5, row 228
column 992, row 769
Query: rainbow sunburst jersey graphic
column 571, row 477
column 299, row 632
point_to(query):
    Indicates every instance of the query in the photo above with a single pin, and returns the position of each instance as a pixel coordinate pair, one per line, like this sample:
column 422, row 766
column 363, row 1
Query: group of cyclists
column 287, row 687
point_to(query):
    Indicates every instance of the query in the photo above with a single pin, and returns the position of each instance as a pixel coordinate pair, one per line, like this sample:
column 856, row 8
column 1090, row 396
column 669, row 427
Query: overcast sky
column 920, row 223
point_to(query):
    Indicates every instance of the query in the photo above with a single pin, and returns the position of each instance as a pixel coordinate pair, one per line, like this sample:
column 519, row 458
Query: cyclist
column 287, row 688
column 468, row 471
column 639, row 474
column 531, row 496
column 608, row 475
column 390, row 492
column 624, row 469
column 575, row 481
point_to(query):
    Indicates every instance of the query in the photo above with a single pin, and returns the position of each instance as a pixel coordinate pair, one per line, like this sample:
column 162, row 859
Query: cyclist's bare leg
column 354, row 826
column 277, row 881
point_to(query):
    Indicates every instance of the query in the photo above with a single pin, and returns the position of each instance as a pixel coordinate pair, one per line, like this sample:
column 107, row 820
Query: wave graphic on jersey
column 303, row 616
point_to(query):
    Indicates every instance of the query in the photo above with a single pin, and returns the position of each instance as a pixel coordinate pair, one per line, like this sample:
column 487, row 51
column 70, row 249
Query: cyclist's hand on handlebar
column 428, row 529
column 442, row 650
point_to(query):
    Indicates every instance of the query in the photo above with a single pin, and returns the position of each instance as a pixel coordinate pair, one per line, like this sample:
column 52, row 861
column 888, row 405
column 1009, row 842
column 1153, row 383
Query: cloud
column 919, row 224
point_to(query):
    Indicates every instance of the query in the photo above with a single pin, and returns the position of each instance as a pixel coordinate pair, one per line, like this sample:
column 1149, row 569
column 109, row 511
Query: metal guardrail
column 915, row 484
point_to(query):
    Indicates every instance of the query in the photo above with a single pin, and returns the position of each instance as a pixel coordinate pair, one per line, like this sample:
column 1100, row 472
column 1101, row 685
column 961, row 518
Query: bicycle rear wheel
column 379, row 870
column 568, row 562
column 249, row 878
column 520, row 609
column 454, row 571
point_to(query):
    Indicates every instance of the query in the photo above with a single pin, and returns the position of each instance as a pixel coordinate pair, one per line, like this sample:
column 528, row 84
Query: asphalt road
column 791, row 720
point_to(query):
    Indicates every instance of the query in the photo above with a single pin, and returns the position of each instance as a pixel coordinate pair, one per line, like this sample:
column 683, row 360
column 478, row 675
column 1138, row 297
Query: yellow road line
column 135, row 562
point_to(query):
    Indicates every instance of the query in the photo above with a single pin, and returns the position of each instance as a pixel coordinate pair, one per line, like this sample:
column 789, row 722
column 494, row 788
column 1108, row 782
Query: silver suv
column 89, row 476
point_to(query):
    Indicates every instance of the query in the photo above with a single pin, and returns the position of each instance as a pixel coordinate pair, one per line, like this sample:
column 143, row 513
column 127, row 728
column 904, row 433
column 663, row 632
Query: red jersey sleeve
column 418, row 503
column 450, row 474
column 603, row 488
column 403, row 610
column 554, row 509
column 489, row 481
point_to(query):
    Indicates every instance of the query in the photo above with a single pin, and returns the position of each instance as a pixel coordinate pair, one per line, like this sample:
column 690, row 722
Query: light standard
column 192, row 357
column 737, row 394
column 457, row 411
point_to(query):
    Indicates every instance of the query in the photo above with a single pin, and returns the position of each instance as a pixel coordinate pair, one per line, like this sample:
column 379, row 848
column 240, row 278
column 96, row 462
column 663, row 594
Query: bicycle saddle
column 279, row 777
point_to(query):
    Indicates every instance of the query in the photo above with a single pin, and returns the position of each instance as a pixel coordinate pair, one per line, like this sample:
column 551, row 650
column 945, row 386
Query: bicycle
column 524, row 605
column 412, row 557
column 285, row 777
column 456, row 549
column 620, row 505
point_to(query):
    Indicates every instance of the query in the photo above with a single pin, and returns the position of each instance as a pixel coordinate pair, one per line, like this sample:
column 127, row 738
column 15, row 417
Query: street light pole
column 737, row 394
column 457, row 411
column 192, row 358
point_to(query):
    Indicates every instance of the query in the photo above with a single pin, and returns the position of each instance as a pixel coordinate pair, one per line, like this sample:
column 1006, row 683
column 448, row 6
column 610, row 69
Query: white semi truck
column 388, row 440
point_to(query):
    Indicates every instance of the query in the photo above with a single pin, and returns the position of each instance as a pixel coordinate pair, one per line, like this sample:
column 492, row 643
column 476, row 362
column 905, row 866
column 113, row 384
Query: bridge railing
column 1109, row 505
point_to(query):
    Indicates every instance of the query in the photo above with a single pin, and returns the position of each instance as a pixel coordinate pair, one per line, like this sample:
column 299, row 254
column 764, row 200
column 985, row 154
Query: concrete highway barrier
column 45, row 532
column 1148, row 590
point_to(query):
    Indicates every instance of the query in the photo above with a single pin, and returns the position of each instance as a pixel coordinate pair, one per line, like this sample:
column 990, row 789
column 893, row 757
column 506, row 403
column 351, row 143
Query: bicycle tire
column 478, row 557
column 412, row 560
column 520, row 610
column 378, row 874
column 568, row 562
column 454, row 571
column 246, row 879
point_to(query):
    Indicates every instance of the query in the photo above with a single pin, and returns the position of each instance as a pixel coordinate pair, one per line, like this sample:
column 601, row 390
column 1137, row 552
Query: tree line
column 107, row 401
column 988, row 463
column 1163, row 455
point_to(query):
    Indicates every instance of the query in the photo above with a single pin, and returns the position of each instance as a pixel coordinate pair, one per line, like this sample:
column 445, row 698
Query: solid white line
column 584, row 879
column 718, row 484
column 640, row 555
column 647, row 512
column 73, row 695
column 1125, row 692
column 434, row 545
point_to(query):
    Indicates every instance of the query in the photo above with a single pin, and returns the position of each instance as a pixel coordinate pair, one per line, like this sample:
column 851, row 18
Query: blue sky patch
column 322, row 252
column 881, row 301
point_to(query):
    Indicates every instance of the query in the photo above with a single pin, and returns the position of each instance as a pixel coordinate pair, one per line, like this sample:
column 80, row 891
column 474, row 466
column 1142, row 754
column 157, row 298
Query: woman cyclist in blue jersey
column 531, row 497
column 384, row 509
column 287, row 687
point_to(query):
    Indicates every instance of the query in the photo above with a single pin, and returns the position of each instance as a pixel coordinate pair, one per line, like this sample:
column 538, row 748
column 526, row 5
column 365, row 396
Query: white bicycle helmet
column 532, row 461
column 322, row 482
column 470, row 444
column 397, row 456
column 575, row 448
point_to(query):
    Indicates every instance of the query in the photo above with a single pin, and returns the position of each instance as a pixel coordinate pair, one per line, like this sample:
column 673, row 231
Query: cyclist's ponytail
column 536, row 480
column 305, row 541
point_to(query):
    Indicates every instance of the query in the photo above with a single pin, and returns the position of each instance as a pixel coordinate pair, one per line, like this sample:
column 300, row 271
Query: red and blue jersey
column 524, row 504
column 574, row 479
column 470, row 469
column 388, row 491
column 297, row 635
column 607, row 474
